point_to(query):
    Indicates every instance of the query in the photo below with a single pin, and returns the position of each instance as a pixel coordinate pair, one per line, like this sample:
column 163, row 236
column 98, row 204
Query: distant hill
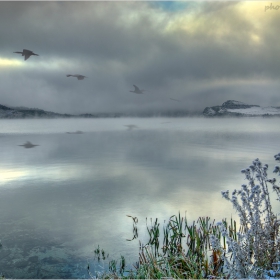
column 8, row 112
column 240, row 109
column 24, row 112
column 228, row 108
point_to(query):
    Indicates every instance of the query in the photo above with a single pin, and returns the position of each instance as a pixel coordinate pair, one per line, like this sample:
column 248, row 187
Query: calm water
column 62, row 199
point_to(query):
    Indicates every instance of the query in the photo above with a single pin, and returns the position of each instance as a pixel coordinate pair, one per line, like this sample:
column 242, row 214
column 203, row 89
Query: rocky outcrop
column 232, row 104
column 239, row 109
column 22, row 112
column 2, row 107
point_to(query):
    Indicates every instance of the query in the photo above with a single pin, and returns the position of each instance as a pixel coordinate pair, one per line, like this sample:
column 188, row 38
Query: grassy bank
column 209, row 249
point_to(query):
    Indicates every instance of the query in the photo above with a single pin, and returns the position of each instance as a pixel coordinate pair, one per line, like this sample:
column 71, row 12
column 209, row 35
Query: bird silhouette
column 137, row 90
column 28, row 145
column 27, row 53
column 78, row 76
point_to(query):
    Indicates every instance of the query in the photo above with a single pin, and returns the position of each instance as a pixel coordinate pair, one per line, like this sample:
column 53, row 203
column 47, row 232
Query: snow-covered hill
column 23, row 112
column 237, row 108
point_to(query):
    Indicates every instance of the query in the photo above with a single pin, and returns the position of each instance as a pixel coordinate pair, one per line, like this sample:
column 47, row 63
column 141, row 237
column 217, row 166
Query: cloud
column 170, row 49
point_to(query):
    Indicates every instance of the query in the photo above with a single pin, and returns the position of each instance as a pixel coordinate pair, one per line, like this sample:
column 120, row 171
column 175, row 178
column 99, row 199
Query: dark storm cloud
column 180, row 51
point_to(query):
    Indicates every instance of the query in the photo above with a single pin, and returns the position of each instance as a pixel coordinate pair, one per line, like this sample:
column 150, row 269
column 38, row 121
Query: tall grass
column 206, row 249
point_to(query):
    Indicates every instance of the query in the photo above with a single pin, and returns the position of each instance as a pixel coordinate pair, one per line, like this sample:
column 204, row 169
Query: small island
column 232, row 108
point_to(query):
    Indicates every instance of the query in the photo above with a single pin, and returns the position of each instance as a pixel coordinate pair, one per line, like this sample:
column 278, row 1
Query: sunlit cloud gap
column 5, row 62
column 51, row 63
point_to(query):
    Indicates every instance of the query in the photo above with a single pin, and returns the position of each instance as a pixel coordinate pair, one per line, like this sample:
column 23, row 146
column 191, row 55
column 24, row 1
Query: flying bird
column 28, row 145
column 78, row 76
column 27, row 53
column 137, row 90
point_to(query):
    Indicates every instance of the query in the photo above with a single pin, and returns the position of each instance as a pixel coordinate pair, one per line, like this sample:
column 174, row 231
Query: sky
column 186, row 55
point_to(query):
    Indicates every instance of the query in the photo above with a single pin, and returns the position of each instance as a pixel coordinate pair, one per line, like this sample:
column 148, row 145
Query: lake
column 63, row 198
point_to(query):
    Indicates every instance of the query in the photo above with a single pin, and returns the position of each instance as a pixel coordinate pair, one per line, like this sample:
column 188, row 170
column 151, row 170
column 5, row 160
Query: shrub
column 256, row 250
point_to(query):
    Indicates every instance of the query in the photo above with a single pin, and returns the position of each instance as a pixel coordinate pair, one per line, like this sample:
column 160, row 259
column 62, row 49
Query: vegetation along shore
column 249, row 248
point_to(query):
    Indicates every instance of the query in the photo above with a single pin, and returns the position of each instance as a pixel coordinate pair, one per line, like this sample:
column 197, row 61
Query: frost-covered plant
column 257, row 247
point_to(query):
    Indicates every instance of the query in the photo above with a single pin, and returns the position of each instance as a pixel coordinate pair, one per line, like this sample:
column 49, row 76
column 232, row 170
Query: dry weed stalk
column 257, row 247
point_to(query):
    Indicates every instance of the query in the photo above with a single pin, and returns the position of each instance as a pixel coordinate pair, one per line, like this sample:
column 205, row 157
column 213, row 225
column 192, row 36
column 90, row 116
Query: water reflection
column 28, row 145
column 131, row 126
column 75, row 132
column 74, row 193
